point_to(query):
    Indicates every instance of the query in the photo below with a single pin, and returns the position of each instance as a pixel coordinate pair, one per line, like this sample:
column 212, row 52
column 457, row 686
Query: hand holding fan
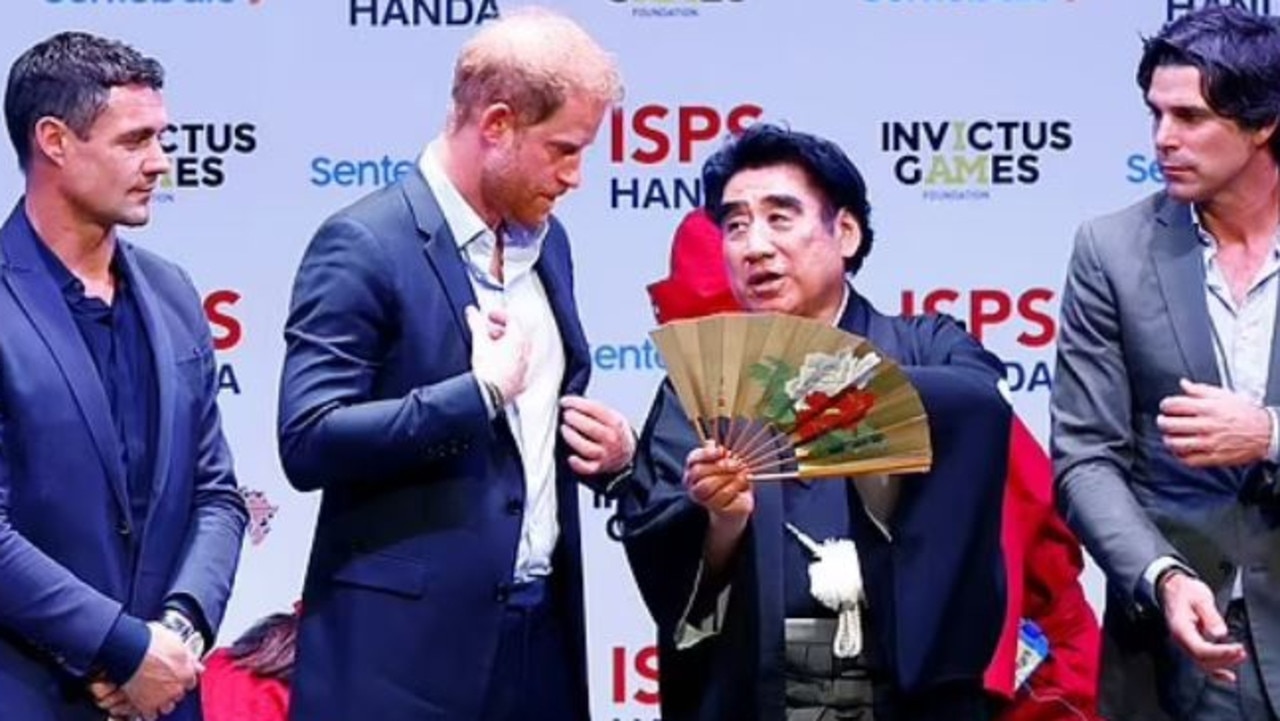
column 792, row 397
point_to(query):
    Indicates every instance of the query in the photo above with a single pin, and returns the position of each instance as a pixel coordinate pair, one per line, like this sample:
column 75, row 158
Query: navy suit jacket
column 69, row 561
column 935, row 595
column 416, row 539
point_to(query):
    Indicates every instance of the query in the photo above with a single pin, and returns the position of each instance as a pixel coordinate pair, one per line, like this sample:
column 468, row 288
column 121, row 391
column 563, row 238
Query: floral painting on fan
column 823, row 403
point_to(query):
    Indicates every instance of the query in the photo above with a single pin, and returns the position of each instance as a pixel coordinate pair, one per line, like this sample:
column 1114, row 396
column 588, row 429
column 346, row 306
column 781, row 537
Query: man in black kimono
column 740, row 635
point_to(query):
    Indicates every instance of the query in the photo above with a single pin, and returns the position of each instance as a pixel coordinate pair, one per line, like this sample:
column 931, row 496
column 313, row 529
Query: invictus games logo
column 416, row 13
column 198, row 153
column 966, row 159
column 1175, row 9
column 261, row 511
column 671, row 8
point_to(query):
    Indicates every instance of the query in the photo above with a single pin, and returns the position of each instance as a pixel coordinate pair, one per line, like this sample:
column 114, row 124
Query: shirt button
column 123, row 528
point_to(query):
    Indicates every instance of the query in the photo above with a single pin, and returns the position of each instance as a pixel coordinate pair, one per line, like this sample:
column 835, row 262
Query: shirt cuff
column 124, row 649
column 1152, row 574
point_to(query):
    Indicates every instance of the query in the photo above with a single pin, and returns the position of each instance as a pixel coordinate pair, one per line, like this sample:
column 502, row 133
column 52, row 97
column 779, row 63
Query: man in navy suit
column 120, row 521
column 740, row 635
column 431, row 389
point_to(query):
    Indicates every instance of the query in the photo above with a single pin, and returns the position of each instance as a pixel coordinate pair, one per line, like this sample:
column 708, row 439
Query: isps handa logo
column 1174, row 9
column 228, row 333
column 418, row 13
column 1020, row 325
column 672, row 8
column 967, row 159
column 199, row 153
column 654, row 149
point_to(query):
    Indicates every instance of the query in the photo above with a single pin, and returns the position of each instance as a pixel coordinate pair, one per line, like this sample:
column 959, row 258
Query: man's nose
column 157, row 161
column 759, row 241
column 571, row 175
column 1163, row 132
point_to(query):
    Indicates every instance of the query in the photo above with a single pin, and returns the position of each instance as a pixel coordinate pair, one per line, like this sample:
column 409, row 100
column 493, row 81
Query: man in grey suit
column 1164, row 404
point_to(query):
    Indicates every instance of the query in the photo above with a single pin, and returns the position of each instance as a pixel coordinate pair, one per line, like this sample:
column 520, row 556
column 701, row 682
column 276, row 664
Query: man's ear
column 49, row 138
column 849, row 232
column 497, row 121
column 1265, row 135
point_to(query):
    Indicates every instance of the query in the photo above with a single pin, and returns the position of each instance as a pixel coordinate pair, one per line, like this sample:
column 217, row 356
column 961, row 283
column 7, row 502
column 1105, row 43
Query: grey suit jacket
column 1134, row 321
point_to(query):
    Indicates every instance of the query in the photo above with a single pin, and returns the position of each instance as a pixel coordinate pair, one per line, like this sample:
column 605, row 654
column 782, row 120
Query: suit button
column 123, row 528
column 502, row 593
column 514, row 506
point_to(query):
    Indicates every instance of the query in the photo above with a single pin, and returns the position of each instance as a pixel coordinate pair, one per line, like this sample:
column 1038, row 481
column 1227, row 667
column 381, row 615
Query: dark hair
column 1238, row 55
column 827, row 167
column 267, row 648
column 69, row 77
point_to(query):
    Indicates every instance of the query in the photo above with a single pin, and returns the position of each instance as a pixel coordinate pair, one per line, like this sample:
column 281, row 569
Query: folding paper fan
column 792, row 397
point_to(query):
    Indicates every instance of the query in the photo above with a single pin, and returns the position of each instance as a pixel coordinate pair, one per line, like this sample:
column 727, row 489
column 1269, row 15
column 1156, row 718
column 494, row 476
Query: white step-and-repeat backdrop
column 987, row 129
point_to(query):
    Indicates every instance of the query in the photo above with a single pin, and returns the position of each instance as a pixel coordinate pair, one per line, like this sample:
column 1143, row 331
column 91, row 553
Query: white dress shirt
column 534, row 414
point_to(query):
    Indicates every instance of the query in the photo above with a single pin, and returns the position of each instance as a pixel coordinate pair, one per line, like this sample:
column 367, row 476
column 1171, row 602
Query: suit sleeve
column 1092, row 426
column 42, row 601
column 341, row 327
column 212, row 550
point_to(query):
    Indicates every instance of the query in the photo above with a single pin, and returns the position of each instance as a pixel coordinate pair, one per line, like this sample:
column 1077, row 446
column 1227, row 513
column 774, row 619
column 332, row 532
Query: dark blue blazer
column 935, row 594
column 68, row 560
column 420, row 519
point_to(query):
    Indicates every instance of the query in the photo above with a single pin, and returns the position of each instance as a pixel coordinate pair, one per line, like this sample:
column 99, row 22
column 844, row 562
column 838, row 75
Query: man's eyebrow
column 783, row 200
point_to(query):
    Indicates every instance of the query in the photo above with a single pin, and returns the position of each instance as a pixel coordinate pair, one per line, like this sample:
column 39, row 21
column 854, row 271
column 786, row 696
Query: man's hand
column 1194, row 622
column 1210, row 426
column 719, row 483
column 111, row 698
column 600, row 437
column 499, row 352
column 167, row 673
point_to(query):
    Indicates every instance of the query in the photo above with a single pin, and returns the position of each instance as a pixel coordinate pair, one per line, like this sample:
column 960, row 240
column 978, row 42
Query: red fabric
column 230, row 693
column 698, row 284
column 1042, row 558
column 1043, row 562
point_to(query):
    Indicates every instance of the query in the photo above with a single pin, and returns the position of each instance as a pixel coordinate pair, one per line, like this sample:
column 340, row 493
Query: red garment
column 230, row 693
column 698, row 284
column 1042, row 558
column 1043, row 564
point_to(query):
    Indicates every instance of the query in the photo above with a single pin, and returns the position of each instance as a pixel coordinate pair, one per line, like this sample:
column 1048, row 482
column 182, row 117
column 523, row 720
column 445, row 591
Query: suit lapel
column 441, row 250
column 28, row 279
column 162, row 360
column 1179, row 263
column 553, row 270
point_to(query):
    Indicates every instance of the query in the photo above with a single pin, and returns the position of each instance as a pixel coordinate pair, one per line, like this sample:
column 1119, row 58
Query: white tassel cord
column 835, row 581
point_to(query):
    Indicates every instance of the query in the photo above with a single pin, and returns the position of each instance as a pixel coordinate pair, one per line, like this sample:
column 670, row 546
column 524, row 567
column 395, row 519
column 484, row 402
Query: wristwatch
column 181, row 625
